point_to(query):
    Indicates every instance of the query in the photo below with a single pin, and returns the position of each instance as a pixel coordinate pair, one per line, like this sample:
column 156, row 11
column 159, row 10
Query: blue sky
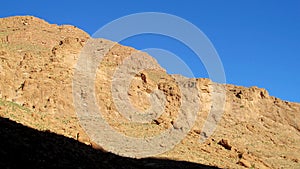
column 258, row 41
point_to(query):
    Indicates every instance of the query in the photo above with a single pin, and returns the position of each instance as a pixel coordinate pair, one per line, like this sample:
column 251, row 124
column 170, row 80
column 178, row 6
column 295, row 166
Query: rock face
column 37, row 63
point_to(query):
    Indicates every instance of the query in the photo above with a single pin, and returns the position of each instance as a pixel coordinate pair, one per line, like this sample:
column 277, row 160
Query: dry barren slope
column 37, row 62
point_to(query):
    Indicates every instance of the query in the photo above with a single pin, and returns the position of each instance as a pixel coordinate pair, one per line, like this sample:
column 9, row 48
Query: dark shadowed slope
column 24, row 147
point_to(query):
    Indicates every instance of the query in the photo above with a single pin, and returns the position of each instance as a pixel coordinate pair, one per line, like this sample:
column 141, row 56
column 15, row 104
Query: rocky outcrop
column 37, row 62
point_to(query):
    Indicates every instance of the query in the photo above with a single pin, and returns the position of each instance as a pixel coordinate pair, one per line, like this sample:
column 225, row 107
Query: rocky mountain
column 37, row 68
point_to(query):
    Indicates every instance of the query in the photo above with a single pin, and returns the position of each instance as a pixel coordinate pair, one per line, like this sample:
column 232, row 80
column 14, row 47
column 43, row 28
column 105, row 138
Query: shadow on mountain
column 24, row 147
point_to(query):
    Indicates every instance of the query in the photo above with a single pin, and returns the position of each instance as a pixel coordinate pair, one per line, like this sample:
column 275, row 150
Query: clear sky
column 258, row 41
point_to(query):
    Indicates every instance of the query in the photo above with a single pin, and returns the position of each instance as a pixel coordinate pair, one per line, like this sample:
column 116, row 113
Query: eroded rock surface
column 37, row 63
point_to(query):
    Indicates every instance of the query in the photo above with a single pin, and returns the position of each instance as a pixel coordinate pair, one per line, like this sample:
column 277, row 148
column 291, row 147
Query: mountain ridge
column 37, row 63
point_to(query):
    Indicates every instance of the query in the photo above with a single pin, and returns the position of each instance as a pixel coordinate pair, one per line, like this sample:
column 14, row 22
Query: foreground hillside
column 37, row 62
